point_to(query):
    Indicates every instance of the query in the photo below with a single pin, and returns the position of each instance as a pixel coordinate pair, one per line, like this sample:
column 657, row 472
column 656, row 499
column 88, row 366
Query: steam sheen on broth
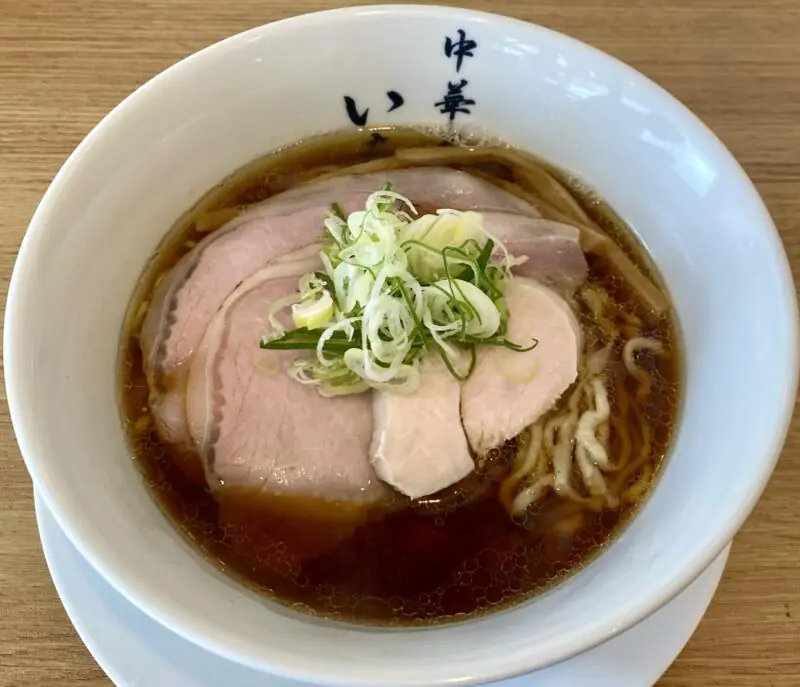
column 535, row 508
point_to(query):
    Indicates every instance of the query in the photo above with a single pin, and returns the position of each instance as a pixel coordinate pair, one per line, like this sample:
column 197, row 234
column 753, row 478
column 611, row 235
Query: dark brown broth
column 413, row 564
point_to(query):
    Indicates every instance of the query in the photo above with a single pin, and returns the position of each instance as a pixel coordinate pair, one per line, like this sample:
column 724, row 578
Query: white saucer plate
column 135, row 651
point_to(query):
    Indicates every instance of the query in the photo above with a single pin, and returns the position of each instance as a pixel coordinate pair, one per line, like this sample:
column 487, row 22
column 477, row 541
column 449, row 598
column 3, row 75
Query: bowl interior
column 688, row 200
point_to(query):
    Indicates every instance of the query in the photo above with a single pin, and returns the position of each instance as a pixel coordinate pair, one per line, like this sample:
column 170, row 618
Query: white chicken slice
column 418, row 444
column 510, row 390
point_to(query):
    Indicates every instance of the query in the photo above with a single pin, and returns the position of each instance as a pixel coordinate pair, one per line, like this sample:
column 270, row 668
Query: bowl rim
column 140, row 594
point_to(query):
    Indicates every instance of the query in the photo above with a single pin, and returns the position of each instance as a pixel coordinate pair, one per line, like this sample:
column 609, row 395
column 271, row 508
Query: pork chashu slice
column 184, row 303
column 260, row 430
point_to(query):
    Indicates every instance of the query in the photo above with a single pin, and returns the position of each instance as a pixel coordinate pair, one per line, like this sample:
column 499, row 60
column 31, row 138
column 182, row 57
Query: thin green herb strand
column 337, row 210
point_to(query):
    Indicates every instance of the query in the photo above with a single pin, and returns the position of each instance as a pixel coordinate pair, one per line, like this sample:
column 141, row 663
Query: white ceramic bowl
column 181, row 133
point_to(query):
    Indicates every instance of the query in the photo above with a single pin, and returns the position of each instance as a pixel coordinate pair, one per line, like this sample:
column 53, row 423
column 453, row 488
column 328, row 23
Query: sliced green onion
column 394, row 287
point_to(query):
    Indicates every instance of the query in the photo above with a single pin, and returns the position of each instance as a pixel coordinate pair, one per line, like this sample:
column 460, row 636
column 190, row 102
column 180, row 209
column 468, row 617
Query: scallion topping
column 395, row 287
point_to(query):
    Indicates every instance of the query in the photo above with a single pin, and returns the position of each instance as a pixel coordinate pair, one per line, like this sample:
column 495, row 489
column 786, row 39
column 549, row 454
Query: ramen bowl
column 150, row 159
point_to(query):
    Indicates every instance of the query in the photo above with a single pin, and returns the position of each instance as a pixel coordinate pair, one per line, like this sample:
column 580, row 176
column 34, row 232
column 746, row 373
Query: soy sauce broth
column 451, row 558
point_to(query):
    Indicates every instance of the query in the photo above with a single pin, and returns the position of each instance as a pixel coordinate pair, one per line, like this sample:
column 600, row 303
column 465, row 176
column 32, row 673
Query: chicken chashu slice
column 421, row 441
column 418, row 443
column 509, row 390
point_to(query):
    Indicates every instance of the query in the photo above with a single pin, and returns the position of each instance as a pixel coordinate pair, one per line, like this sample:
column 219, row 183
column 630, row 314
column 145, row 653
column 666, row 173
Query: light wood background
column 736, row 63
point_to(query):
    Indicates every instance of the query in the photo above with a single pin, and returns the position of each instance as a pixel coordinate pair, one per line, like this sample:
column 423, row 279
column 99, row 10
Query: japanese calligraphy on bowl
column 455, row 99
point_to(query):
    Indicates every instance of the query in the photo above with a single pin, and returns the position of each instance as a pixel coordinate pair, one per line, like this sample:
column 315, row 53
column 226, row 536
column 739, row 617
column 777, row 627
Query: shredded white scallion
column 394, row 288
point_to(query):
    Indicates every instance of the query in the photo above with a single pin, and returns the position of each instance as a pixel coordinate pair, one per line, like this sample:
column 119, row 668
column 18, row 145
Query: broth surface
column 452, row 557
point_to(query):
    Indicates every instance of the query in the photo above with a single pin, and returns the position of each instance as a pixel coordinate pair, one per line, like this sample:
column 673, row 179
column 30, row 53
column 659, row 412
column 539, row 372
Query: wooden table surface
column 736, row 63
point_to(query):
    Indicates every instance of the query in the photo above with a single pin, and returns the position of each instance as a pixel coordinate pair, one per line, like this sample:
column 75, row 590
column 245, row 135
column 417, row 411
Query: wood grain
column 736, row 63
